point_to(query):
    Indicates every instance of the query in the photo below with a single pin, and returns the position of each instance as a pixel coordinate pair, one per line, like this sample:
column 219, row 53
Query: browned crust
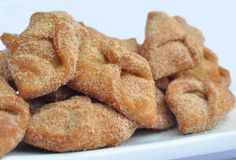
column 198, row 105
column 8, row 38
column 77, row 124
column 165, row 119
column 43, row 57
column 171, row 45
column 116, row 76
column 4, row 71
column 14, row 118
column 130, row 44
column 208, row 69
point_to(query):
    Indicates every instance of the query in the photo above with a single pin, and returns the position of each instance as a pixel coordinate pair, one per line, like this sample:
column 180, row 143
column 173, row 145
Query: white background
column 126, row 18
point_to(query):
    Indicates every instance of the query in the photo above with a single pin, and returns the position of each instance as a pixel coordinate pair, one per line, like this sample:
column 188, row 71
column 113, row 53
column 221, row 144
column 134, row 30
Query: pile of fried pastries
column 66, row 87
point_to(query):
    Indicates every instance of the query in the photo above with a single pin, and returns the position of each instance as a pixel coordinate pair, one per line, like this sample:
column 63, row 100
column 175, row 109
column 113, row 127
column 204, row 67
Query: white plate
column 147, row 144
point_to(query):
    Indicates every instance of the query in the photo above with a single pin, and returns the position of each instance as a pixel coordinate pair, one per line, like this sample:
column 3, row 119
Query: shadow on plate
column 24, row 147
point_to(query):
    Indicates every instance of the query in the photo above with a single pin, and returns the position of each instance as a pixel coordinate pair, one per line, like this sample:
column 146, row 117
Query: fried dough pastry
column 77, row 124
column 118, row 77
column 198, row 105
column 14, row 118
column 61, row 94
column 171, row 45
column 208, row 69
column 44, row 56
column 8, row 39
column 131, row 44
column 165, row 118
column 4, row 72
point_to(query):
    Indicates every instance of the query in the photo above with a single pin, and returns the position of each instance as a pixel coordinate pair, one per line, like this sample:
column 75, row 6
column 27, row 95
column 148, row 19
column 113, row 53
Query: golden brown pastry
column 131, row 44
column 208, row 69
column 118, row 77
column 225, row 77
column 8, row 39
column 171, row 45
column 198, row 105
column 14, row 118
column 77, row 124
column 44, row 56
column 165, row 118
column 4, row 71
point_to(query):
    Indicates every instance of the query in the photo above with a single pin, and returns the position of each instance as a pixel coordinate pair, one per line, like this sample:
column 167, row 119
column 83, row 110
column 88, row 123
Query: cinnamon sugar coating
column 165, row 119
column 14, row 118
column 118, row 77
column 4, row 71
column 7, row 39
column 77, row 124
column 171, row 45
column 208, row 69
column 131, row 44
column 198, row 105
column 43, row 57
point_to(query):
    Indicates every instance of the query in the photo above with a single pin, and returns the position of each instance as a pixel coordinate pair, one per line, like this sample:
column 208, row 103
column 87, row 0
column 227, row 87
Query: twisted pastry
column 118, row 77
column 171, row 45
column 77, row 124
column 44, row 56
column 198, row 105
